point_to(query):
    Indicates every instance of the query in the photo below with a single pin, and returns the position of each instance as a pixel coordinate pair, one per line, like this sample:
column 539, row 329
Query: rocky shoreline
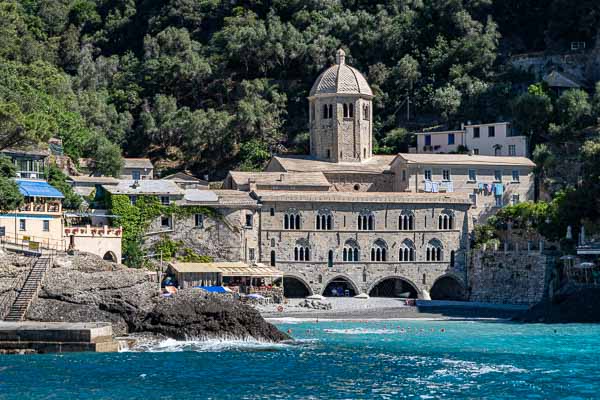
column 572, row 306
column 85, row 288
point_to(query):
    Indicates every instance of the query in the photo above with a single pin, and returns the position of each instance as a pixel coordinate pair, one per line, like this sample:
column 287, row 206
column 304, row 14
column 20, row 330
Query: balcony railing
column 52, row 207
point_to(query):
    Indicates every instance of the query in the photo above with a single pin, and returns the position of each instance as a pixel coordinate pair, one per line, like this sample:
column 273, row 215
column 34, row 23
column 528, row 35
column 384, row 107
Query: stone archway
column 110, row 256
column 448, row 287
column 394, row 286
column 294, row 287
column 340, row 286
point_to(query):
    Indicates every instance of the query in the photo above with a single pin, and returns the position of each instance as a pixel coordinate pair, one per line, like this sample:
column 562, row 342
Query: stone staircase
column 29, row 290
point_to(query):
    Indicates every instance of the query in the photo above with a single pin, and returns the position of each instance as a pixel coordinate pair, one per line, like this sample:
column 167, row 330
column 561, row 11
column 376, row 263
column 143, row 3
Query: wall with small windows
column 471, row 180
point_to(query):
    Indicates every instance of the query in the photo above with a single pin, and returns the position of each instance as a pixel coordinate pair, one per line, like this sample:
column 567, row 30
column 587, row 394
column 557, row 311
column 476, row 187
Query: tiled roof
column 464, row 159
column 341, row 78
column 103, row 180
column 144, row 187
column 376, row 164
column 362, row 197
column 183, row 176
column 280, row 178
column 137, row 163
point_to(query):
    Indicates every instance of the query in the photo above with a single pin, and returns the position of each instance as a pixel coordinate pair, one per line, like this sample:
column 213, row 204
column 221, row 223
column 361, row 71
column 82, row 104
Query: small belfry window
column 366, row 114
column 324, row 115
column 345, row 107
column 351, row 110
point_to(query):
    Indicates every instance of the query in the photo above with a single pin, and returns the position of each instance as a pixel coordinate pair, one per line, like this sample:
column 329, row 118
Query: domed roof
column 341, row 78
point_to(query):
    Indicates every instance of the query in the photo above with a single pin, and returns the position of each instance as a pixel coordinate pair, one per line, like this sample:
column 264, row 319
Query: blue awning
column 38, row 189
column 213, row 289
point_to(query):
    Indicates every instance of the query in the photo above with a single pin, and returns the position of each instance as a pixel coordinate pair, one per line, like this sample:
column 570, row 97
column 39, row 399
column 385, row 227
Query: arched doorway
column 294, row 288
column 110, row 256
column 447, row 288
column 340, row 287
column 394, row 287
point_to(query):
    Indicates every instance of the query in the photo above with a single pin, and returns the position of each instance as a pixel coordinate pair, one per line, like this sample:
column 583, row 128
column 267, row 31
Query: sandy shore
column 378, row 308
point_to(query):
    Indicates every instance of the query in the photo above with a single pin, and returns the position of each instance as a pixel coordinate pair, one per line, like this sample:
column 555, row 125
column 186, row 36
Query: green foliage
column 254, row 154
column 106, row 155
column 7, row 167
column 167, row 247
column 484, row 234
column 10, row 196
column 136, row 218
column 188, row 255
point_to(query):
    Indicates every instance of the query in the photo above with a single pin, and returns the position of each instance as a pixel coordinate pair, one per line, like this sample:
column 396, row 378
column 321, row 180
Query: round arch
column 110, row 256
column 295, row 287
column 339, row 286
column 448, row 287
column 394, row 286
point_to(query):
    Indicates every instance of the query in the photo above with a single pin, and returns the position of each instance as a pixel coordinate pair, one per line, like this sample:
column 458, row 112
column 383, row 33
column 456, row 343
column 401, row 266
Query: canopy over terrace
column 222, row 273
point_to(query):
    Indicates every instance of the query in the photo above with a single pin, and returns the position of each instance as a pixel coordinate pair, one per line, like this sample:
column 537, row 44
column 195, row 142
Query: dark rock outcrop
column 85, row 288
column 575, row 306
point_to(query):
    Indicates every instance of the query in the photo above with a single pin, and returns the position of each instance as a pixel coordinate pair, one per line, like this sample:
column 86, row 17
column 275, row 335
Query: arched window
column 324, row 220
column 434, row 250
column 446, row 221
column 291, row 220
column 330, row 258
column 324, row 111
column 379, row 250
column 351, row 251
column 301, row 251
column 366, row 221
column 345, row 106
column 406, row 221
column 351, row 110
column 407, row 251
column 273, row 260
column 330, row 111
column 452, row 258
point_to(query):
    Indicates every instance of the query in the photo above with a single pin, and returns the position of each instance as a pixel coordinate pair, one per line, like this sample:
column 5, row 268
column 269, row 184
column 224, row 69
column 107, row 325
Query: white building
column 496, row 139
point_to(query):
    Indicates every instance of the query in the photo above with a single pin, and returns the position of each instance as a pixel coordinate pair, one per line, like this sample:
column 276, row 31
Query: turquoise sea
column 332, row 360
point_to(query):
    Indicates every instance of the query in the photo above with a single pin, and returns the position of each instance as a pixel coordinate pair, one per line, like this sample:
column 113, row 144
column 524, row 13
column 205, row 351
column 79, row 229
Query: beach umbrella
column 316, row 297
column 586, row 265
column 362, row 296
column 255, row 296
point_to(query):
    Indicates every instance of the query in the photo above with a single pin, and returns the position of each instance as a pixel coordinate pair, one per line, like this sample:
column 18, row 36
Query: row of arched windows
column 379, row 251
column 365, row 221
column 352, row 254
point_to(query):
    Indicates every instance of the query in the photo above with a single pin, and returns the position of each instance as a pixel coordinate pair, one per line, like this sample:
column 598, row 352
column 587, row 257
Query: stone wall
column 513, row 277
column 224, row 238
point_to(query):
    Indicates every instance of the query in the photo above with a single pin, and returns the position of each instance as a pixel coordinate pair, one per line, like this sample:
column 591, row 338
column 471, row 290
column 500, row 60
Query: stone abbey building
column 346, row 221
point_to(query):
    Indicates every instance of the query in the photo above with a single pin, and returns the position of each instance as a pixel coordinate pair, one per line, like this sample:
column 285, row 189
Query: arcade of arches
column 447, row 288
column 394, row 287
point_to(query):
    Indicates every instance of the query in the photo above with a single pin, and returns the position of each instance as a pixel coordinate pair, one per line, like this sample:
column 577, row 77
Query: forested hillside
column 208, row 84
